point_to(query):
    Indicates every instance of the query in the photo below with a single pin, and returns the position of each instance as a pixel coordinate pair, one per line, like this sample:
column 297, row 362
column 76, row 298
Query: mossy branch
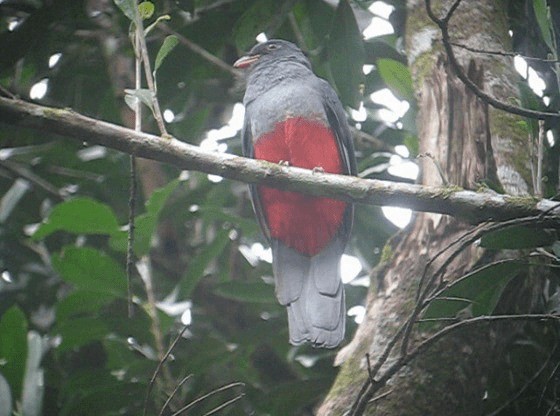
column 467, row 205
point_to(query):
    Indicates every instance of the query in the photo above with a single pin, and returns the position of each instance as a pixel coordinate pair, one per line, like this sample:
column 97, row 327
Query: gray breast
column 282, row 102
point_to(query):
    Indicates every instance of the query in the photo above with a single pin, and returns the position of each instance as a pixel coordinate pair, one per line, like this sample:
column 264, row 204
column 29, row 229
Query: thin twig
column 472, row 236
column 381, row 396
column 437, row 165
column 224, row 405
column 143, row 51
column 422, row 320
column 370, row 374
column 525, row 386
column 463, row 241
column 297, row 32
column 15, row 169
column 373, row 142
column 540, row 156
column 423, row 293
column 207, row 395
column 159, row 366
column 503, row 53
column 423, row 301
column 548, row 381
column 213, row 59
column 467, row 239
column 6, row 92
column 132, row 182
column 363, row 399
column 450, row 12
column 130, row 239
column 554, row 50
column 173, row 393
column 385, row 355
column 423, row 346
column 437, row 294
column 145, row 270
column 533, row 160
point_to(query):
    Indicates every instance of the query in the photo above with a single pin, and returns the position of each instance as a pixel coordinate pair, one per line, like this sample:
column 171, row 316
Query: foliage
column 64, row 211
column 65, row 208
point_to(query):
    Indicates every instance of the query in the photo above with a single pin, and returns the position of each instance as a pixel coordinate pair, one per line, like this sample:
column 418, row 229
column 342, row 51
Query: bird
column 295, row 118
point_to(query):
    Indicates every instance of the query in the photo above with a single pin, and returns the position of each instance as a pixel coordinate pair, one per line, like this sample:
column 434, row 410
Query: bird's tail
column 317, row 318
column 312, row 291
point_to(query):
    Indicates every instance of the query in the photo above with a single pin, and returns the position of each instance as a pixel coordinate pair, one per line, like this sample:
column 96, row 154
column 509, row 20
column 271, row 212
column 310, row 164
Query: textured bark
column 474, row 145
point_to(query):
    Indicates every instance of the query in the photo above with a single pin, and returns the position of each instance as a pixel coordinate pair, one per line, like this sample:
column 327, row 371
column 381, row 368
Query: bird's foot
column 318, row 169
column 284, row 163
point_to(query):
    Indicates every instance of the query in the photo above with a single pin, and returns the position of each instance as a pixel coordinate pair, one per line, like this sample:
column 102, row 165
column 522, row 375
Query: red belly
column 304, row 223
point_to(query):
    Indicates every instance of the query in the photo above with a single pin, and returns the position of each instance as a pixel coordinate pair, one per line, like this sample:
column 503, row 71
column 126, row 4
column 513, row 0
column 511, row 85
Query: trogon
column 294, row 117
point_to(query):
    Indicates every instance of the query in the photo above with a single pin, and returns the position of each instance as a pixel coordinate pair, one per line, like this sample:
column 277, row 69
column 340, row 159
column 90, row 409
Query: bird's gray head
column 272, row 51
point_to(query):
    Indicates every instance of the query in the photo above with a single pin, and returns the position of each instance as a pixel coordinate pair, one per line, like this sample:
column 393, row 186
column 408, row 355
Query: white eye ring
column 272, row 47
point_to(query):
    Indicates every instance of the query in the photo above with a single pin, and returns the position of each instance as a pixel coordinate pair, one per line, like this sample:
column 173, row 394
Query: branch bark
column 466, row 205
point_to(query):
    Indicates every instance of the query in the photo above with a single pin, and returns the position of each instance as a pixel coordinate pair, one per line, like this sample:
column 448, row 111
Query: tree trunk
column 473, row 145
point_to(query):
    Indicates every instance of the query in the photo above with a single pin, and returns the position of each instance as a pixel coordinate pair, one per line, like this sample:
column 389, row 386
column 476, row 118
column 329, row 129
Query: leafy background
column 67, row 345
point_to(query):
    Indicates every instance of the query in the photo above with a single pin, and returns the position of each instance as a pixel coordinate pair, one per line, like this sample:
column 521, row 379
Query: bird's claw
column 284, row 163
column 318, row 169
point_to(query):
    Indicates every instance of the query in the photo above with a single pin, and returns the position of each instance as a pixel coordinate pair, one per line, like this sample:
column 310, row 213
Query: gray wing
column 248, row 151
column 337, row 122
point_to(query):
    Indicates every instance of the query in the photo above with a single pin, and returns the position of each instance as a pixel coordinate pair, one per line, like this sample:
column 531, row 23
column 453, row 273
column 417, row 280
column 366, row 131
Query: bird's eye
column 272, row 47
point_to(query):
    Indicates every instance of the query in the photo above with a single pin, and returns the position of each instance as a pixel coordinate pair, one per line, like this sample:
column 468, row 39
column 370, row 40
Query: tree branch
column 467, row 205
column 443, row 24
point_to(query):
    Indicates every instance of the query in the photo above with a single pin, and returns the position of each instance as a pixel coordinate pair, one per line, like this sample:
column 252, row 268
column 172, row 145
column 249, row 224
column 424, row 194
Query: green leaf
column 284, row 401
column 250, row 292
column 153, row 25
column 120, row 356
column 255, row 20
column 412, row 144
column 479, row 291
column 198, row 266
column 88, row 269
column 314, row 21
column 79, row 216
column 518, row 238
column 146, row 9
column 383, row 47
column 97, row 392
column 397, row 77
column 143, row 94
column 13, row 348
column 81, row 302
column 168, row 44
column 346, row 53
column 145, row 224
column 80, row 331
column 544, row 21
column 217, row 213
column 128, row 7
column 5, row 397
